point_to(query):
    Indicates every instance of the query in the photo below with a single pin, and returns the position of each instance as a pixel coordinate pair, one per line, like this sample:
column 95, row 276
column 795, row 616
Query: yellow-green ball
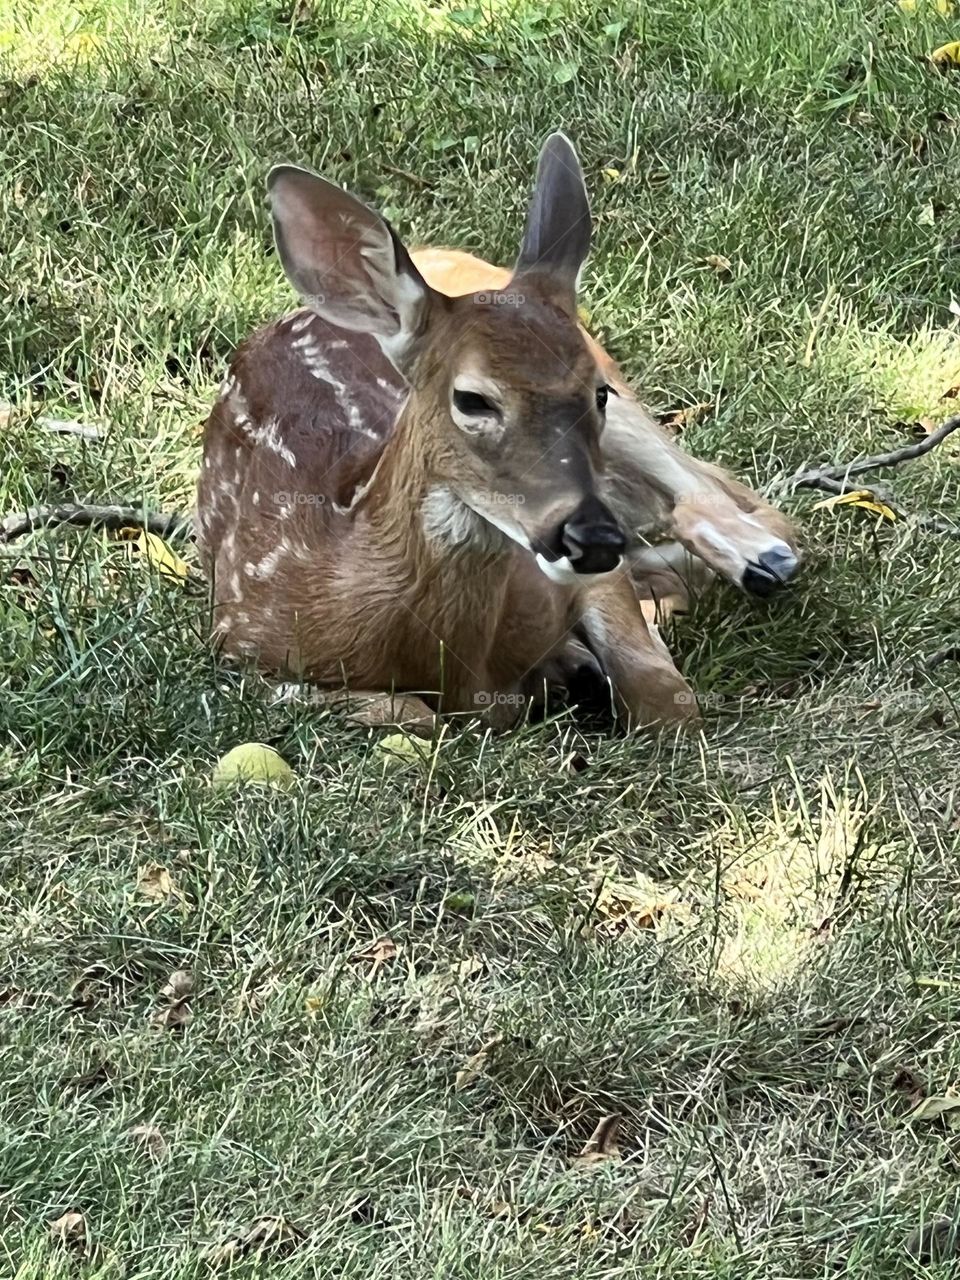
column 397, row 750
column 253, row 762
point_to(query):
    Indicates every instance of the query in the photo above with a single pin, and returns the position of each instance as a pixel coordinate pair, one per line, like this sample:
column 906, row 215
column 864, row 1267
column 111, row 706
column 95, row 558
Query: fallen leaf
column 156, row 552
column 685, row 416
column 718, row 263
column 620, row 904
column 862, row 498
column 931, row 1108
column 150, row 1138
column 377, row 954
column 910, row 1086
column 947, row 57
column 927, row 215
column 179, row 985
column 475, row 1065
column 612, row 175
column 602, row 1145
column 265, row 1235
column 174, row 1017
column 951, row 393
column 69, row 1229
column 155, row 882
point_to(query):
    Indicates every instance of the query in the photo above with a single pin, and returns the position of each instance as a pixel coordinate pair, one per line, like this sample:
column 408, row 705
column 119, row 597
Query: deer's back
column 299, row 425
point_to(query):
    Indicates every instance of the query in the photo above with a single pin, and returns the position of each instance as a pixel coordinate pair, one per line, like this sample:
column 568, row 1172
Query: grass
column 746, row 945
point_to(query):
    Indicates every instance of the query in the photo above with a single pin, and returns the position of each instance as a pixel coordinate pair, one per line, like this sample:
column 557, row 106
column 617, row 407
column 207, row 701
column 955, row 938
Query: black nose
column 770, row 570
column 592, row 540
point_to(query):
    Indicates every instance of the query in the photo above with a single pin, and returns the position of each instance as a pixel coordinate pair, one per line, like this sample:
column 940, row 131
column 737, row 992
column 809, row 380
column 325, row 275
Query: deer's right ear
column 346, row 262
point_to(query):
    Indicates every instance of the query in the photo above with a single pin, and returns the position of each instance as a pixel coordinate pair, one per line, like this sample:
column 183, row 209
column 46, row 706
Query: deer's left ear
column 557, row 236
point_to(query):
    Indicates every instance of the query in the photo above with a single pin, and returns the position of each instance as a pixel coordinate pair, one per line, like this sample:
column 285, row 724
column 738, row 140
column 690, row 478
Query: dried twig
column 62, row 427
column 58, row 426
column 165, row 525
column 840, row 479
column 831, row 476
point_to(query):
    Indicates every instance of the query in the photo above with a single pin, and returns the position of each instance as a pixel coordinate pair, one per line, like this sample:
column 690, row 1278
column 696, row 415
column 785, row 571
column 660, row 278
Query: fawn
column 403, row 490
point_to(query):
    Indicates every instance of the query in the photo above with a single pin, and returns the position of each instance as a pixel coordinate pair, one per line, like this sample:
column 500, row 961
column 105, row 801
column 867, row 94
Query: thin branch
column 827, row 477
column 24, row 522
column 61, row 427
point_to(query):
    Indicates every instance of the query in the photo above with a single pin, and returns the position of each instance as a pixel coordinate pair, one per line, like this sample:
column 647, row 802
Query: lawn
column 366, row 1027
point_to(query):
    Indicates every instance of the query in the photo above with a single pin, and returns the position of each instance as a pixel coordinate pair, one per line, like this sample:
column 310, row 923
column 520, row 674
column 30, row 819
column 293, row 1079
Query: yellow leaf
column 948, row 55
column 157, row 553
column 611, row 175
column 584, row 317
column 944, row 7
column 862, row 498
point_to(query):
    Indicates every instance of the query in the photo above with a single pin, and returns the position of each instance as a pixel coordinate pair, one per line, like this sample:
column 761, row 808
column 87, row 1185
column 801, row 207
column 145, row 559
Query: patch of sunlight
column 785, row 881
column 609, row 900
column 37, row 35
column 907, row 377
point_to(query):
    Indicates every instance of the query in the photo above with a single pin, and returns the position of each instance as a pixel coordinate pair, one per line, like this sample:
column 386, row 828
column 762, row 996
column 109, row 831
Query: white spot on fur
column 255, row 497
column 265, row 567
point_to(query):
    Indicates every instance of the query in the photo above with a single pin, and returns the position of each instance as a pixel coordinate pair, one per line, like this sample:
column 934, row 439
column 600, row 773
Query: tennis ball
column 256, row 763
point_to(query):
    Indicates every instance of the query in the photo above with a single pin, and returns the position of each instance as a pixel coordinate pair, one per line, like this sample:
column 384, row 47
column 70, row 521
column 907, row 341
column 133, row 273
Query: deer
column 431, row 500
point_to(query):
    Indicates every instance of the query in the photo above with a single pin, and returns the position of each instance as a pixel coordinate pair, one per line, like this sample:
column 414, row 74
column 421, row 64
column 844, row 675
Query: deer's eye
column 473, row 404
column 602, row 393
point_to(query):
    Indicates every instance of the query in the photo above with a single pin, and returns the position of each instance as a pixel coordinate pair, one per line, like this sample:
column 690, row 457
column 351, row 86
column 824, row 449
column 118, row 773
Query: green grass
column 806, row 846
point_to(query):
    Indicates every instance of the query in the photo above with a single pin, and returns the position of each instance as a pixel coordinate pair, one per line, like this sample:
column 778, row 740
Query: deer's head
column 504, row 390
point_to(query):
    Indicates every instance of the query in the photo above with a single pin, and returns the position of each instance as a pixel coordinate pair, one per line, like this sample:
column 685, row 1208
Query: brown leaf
column 717, row 262
column 149, row 1137
column 265, row 1235
column 475, row 1065
column 676, row 420
column 377, row 954
column 602, row 1144
column 909, row 1085
column 175, row 1017
column 155, row 882
column 179, row 985
column 69, row 1230
column 951, row 393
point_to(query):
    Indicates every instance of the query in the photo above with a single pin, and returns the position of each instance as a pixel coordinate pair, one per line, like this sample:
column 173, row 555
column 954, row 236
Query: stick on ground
column 165, row 525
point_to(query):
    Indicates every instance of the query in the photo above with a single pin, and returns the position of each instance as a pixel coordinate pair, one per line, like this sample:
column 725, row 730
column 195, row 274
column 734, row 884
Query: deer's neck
column 416, row 518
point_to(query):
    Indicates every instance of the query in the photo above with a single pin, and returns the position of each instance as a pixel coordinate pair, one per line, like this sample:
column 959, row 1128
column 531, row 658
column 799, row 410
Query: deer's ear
column 557, row 236
column 346, row 262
